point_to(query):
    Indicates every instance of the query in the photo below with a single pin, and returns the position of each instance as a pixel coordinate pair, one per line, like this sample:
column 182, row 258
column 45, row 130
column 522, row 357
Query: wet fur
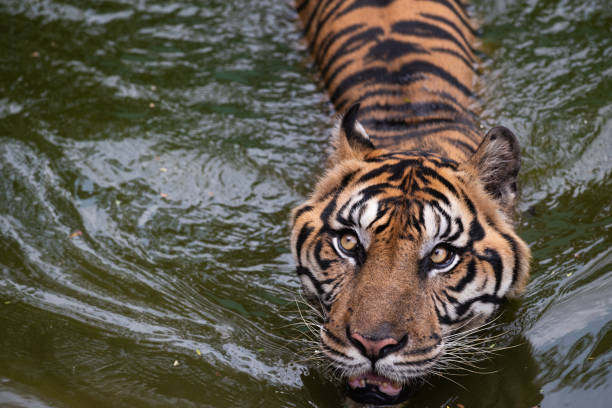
column 409, row 171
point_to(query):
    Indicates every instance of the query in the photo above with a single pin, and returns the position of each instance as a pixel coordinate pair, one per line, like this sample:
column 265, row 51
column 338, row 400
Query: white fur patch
column 362, row 217
column 484, row 309
column 361, row 130
column 308, row 286
column 368, row 214
column 354, row 199
column 432, row 220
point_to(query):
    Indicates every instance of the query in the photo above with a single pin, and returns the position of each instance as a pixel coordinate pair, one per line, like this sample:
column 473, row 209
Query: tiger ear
column 497, row 162
column 351, row 140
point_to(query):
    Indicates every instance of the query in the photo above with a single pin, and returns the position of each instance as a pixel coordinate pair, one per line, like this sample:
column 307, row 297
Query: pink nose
column 373, row 347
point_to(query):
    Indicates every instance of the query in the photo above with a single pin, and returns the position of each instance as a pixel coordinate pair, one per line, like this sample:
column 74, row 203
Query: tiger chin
column 401, row 250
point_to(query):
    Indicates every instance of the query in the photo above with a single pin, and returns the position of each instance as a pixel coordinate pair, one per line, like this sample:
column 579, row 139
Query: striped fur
column 409, row 63
column 412, row 176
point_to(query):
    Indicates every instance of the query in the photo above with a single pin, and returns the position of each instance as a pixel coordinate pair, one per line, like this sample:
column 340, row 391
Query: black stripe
column 416, row 158
column 493, row 258
column 351, row 45
column 408, row 183
column 450, row 24
column 390, row 49
column 451, row 98
column 337, row 71
column 370, row 75
column 461, row 6
column 459, row 14
column 415, row 108
column 407, row 74
column 476, row 233
column 467, row 278
column 435, row 193
column 397, row 123
column 428, row 172
column 374, row 93
column 469, row 64
column 374, row 190
column 334, row 351
column 459, row 230
column 365, row 3
column 324, row 264
column 425, row 30
column 339, row 216
column 302, row 271
column 305, row 232
column 517, row 259
column 441, row 302
column 463, row 308
column 469, row 203
column 331, row 38
column 301, row 211
column 379, row 214
column 302, row 5
column 392, row 168
column 449, row 221
column 462, row 122
column 329, row 208
column 358, row 205
column 421, row 221
column 419, row 66
column 421, row 133
column 334, row 288
column 311, row 19
column 384, row 226
column 321, row 21
column 444, row 319
column 451, row 299
column 327, row 281
column 334, row 338
column 460, row 144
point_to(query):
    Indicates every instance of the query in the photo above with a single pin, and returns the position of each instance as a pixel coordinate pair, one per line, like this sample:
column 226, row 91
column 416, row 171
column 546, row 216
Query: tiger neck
column 409, row 63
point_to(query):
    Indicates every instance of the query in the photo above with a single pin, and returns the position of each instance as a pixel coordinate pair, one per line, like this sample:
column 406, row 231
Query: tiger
column 408, row 238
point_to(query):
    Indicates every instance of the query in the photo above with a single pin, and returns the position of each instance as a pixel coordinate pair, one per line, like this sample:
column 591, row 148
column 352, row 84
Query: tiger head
column 401, row 250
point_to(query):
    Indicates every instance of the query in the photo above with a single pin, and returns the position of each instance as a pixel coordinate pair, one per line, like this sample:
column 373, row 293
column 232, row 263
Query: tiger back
column 409, row 63
column 408, row 238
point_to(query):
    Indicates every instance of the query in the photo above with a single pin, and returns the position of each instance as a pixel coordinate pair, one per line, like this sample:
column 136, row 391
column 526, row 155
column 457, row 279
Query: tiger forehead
column 410, row 216
column 406, row 178
column 410, row 198
column 405, row 172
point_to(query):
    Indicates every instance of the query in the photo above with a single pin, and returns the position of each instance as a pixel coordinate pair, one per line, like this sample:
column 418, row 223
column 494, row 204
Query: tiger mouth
column 375, row 389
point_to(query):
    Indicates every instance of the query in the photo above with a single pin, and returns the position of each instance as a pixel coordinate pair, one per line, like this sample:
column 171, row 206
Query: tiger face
column 400, row 250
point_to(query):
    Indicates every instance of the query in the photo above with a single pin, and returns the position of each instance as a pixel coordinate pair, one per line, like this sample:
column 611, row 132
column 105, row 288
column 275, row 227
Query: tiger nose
column 374, row 348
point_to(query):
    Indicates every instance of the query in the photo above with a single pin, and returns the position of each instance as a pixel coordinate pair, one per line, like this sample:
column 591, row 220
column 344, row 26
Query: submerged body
column 408, row 238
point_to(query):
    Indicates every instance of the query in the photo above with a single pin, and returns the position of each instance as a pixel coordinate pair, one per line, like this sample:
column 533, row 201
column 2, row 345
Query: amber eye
column 441, row 255
column 349, row 242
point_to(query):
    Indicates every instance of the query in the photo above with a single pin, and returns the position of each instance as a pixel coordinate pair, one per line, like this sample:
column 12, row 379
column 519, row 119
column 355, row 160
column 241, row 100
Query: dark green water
column 150, row 152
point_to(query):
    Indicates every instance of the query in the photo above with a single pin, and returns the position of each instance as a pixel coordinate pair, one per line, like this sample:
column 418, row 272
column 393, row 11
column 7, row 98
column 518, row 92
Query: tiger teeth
column 364, row 381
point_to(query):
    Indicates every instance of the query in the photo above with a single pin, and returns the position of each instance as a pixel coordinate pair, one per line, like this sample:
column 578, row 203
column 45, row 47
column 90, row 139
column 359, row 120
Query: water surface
column 150, row 154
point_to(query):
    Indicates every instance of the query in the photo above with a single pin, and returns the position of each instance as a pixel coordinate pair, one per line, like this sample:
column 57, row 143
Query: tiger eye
column 439, row 255
column 348, row 242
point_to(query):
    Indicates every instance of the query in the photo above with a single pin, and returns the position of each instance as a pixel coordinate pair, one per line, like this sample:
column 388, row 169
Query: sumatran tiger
column 408, row 238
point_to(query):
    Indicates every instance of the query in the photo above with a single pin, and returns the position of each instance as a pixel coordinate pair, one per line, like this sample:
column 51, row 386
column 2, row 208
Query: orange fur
column 415, row 179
